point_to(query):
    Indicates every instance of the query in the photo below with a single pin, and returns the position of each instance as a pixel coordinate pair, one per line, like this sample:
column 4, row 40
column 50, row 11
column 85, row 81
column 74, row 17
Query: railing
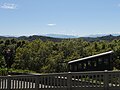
column 107, row 80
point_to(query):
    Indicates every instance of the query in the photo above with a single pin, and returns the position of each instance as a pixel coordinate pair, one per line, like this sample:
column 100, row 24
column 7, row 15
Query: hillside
column 105, row 38
column 32, row 53
column 46, row 38
column 34, row 37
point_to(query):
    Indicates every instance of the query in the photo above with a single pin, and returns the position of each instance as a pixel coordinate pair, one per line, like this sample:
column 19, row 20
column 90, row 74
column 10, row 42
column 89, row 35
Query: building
column 99, row 62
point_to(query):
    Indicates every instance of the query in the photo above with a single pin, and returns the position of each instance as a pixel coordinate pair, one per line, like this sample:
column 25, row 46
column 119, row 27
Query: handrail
column 69, row 80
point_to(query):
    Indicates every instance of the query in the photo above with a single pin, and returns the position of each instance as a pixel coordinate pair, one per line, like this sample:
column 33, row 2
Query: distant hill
column 31, row 38
column 46, row 38
column 101, row 35
column 61, row 36
column 43, row 38
column 106, row 38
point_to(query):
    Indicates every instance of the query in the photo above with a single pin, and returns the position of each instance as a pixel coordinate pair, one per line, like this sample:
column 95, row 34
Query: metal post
column 9, row 83
column 69, row 81
column 37, row 82
column 106, row 83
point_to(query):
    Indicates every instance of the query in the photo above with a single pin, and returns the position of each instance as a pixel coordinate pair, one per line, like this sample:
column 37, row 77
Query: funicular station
column 99, row 62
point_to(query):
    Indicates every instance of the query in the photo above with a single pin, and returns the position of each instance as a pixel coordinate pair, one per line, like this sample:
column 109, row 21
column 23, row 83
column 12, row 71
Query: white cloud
column 8, row 6
column 51, row 24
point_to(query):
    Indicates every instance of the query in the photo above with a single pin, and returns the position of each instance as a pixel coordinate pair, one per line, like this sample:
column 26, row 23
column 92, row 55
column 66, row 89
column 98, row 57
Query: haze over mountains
column 64, row 36
column 58, row 38
column 61, row 36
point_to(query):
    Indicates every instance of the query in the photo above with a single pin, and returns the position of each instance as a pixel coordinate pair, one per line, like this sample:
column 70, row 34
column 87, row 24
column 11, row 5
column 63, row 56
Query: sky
column 69, row 17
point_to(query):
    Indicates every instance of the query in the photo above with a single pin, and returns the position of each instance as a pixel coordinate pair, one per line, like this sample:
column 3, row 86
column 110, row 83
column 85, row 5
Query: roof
column 93, row 56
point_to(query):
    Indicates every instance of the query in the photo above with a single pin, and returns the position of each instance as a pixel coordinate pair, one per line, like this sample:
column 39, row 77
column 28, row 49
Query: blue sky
column 71, row 17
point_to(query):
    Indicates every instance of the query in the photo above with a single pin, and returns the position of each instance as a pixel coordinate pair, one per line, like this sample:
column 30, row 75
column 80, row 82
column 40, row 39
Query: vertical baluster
column 42, row 81
column 46, row 84
column 73, row 77
column 116, row 79
column 15, row 82
column 100, row 80
column 112, row 78
column 63, row 81
column 54, row 81
column 18, row 82
column 5, row 83
column 96, row 82
column 57, row 82
column 12, row 83
column 26, row 83
column 50, row 81
column 34, row 82
column 66, row 81
column 77, row 81
column 86, row 80
column 59, row 78
column 30, row 82
column 81, row 80
column 72, row 80
column 92, row 80
column 119, row 80
column 21, row 83
column 0, row 83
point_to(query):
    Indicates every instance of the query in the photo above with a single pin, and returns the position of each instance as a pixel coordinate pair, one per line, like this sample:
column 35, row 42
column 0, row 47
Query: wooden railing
column 107, row 80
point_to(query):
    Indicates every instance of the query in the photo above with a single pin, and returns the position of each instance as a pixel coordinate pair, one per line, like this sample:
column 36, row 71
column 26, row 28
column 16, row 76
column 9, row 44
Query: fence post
column 9, row 83
column 69, row 81
column 36, row 82
column 106, row 80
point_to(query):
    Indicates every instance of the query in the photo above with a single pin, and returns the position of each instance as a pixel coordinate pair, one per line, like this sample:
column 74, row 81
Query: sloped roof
column 89, row 57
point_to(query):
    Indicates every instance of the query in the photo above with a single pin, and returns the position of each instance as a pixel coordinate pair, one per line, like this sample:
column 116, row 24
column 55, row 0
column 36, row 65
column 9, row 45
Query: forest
column 50, row 55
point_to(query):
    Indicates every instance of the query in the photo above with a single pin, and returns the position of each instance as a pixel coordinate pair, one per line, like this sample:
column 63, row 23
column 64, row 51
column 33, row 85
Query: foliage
column 49, row 56
column 6, row 71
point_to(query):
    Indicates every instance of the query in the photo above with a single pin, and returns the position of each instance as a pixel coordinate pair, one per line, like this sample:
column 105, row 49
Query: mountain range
column 58, row 38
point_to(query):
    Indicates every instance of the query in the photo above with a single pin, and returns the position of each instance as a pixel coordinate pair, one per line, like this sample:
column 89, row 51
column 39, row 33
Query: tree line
column 50, row 56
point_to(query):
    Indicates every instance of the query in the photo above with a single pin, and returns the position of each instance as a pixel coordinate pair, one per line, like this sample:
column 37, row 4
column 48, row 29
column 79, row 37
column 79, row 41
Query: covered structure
column 99, row 62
